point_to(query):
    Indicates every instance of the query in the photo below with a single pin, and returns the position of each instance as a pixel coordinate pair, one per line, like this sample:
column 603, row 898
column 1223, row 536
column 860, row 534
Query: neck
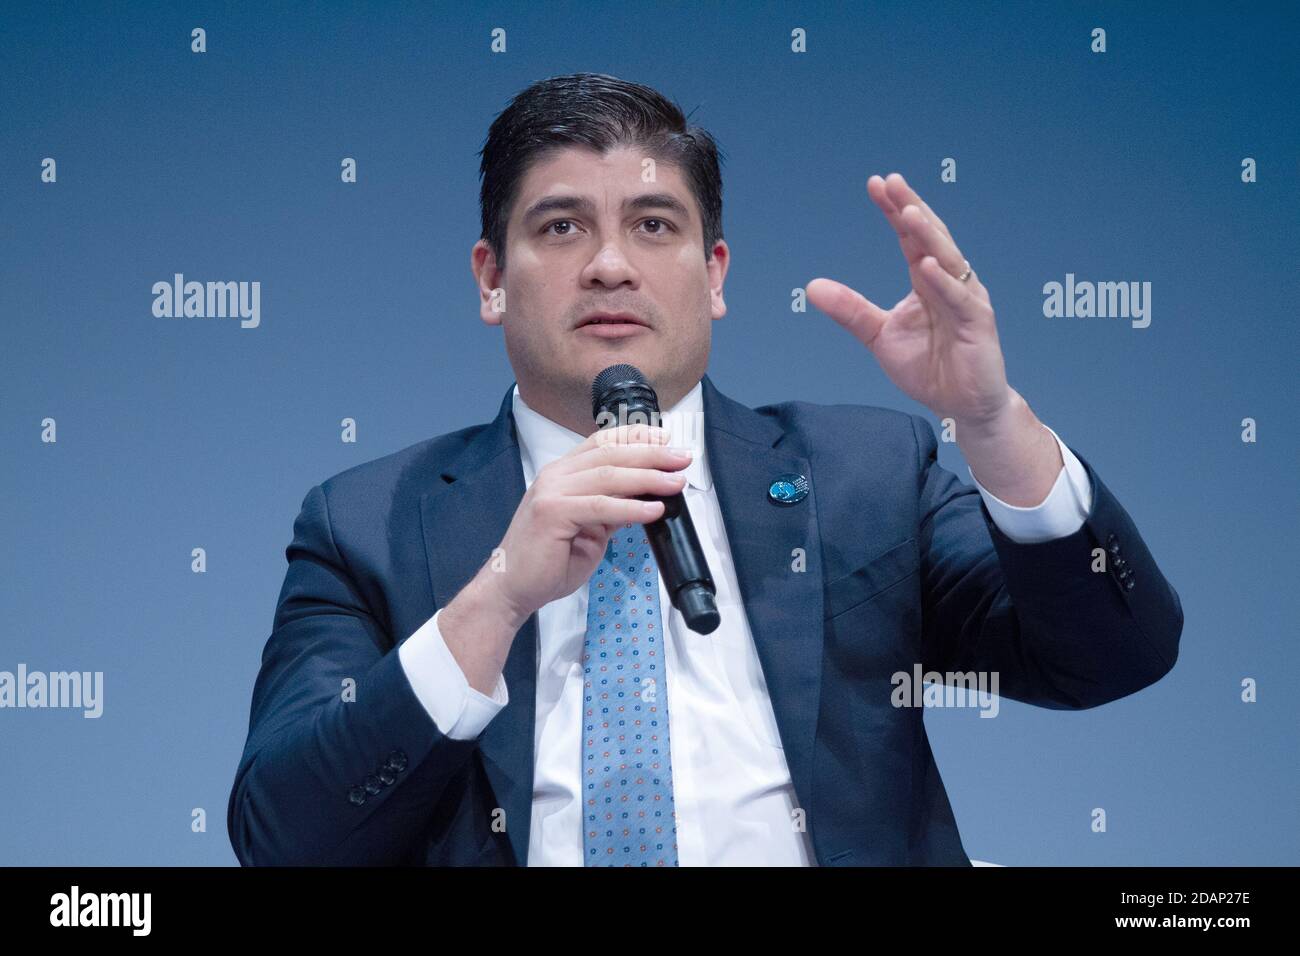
column 573, row 415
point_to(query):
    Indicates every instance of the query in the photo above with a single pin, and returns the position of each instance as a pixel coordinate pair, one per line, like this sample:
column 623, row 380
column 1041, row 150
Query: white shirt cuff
column 459, row 711
column 1061, row 513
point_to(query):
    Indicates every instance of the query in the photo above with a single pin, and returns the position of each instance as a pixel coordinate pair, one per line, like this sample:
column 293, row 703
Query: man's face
column 586, row 235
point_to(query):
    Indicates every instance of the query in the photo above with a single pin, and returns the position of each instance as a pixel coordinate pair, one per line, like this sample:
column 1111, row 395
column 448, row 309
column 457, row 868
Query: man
column 454, row 676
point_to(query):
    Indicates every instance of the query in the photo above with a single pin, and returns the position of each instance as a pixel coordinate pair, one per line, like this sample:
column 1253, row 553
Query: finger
column 638, row 434
column 636, row 456
column 937, row 283
column 880, row 196
column 902, row 194
column 598, row 511
column 920, row 233
column 848, row 307
column 911, row 244
column 931, row 242
column 893, row 195
column 616, row 480
column 910, row 236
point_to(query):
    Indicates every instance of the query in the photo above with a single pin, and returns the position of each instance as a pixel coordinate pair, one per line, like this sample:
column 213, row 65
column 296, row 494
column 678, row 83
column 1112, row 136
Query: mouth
column 611, row 325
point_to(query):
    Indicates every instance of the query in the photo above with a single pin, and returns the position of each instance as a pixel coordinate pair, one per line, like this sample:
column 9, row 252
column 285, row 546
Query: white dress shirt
column 731, row 786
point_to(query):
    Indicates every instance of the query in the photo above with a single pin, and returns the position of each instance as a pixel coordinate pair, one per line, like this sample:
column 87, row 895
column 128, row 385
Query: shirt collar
column 541, row 440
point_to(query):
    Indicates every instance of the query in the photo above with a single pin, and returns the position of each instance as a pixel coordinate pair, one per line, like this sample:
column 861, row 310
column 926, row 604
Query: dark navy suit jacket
column 904, row 565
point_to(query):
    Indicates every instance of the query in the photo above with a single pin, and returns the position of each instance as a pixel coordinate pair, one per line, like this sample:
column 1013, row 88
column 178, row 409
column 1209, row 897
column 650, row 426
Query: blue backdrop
column 175, row 434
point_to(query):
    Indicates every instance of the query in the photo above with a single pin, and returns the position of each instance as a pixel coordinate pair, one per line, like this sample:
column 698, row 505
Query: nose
column 609, row 267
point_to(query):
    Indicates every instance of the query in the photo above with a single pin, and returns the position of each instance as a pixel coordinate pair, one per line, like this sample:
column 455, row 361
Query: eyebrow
column 584, row 206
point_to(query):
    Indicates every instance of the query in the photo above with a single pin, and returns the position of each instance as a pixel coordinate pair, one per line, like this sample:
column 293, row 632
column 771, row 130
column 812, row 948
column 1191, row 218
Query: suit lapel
column 465, row 516
column 468, row 511
column 783, row 606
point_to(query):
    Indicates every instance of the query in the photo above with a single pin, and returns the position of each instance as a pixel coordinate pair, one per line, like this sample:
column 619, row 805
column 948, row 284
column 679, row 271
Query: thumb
column 848, row 307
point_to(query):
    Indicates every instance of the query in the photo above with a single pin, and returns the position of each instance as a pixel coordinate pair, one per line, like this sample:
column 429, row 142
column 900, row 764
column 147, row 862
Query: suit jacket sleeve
column 1058, row 633
column 325, row 780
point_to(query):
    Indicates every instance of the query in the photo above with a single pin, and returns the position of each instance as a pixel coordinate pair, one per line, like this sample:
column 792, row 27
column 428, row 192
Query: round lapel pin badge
column 788, row 489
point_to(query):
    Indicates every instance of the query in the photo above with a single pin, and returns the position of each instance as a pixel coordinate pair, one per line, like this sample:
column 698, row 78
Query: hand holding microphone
column 621, row 393
column 619, row 474
column 563, row 524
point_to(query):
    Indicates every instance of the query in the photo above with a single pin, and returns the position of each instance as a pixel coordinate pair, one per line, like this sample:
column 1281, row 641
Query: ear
column 717, row 267
column 483, row 265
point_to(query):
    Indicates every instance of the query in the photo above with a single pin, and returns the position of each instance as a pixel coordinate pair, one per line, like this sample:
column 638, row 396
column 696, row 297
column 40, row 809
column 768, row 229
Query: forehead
column 578, row 171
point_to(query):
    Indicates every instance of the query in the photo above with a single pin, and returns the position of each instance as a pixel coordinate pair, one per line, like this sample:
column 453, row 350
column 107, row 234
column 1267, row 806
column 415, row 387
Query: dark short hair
column 600, row 112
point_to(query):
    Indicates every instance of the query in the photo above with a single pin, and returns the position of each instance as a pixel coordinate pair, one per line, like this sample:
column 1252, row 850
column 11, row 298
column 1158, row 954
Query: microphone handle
column 676, row 548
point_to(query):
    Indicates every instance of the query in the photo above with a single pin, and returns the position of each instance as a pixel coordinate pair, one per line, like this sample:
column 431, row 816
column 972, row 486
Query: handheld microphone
column 672, row 535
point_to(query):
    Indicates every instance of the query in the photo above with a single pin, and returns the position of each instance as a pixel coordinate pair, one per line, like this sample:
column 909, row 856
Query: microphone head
column 616, row 375
column 624, row 385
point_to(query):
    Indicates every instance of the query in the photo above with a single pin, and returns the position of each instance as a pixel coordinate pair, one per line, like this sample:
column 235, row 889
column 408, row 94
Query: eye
column 662, row 222
column 557, row 222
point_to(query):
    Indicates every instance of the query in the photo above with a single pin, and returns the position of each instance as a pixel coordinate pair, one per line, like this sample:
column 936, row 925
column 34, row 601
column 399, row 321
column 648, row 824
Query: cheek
column 690, row 262
column 529, row 296
column 689, row 282
column 550, row 290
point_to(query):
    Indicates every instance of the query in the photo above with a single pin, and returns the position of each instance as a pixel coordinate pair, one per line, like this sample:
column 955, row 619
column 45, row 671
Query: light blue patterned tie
column 628, row 817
